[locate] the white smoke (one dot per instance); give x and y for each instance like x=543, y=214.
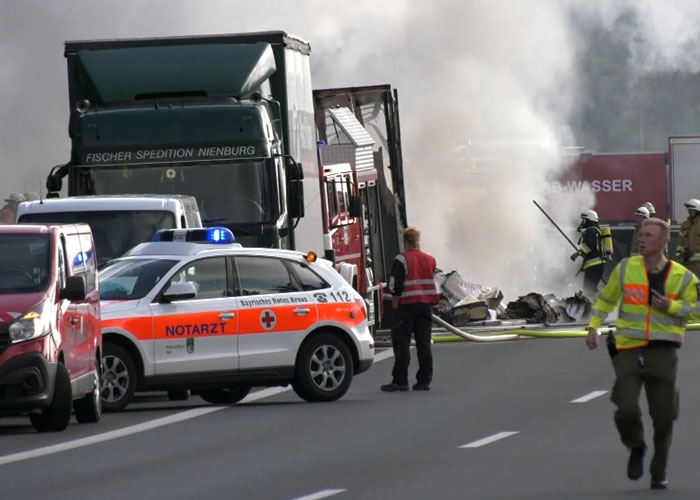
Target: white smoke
x=486, y=88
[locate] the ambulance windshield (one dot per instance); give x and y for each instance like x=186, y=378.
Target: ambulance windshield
x=24, y=263
x=131, y=279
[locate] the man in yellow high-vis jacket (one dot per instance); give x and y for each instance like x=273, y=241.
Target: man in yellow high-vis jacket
x=655, y=296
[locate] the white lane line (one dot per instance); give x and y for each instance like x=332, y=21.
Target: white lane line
x=389, y=353
x=146, y=426
x=489, y=439
x=589, y=396
x=108, y=436
x=320, y=494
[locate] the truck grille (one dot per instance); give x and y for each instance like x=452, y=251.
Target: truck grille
x=4, y=337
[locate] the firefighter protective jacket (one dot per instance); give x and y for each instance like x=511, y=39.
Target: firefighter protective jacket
x=689, y=240
x=591, y=248
x=638, y=322
x=412, y=278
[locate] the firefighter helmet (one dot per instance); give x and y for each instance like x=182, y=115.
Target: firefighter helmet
x=649, y=206
x=591, y=215
x=643, y=211
x=693, y=204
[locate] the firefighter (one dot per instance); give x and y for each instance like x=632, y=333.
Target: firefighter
x=413, y=295
x=655, y=296
x=650, y=207
x=688, y=246
x=641, y=214
x=9, y=211
x=591, y=249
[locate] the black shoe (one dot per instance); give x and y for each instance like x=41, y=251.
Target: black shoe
x=659, y=483
x=421, y=387
x=635, y=464
x=394, y=387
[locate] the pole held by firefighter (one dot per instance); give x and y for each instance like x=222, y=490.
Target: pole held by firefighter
x=555, y=224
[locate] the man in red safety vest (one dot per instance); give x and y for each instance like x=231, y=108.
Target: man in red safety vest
x=414, y=293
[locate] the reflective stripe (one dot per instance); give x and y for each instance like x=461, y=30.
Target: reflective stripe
x=593, y=262
x=686, y=279
x=418, y=282
x=419, y=292
x=623, y=268
x=600, y=314
x=606, y=299
x=402, y=260
x=627, y=316
x=585, y=249
x=667, y=320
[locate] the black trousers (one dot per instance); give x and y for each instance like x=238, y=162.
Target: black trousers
x=416, y=320
x=591, y=278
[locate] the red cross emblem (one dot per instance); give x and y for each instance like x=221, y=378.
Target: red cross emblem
x=268, y=320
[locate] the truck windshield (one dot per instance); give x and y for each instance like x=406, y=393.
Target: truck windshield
x=114, y=232
x=24, y=263
x=131, y=279
x=236, y=192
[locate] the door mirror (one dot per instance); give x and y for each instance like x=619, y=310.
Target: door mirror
x=74, y=289
x=355, y=208
x=180, y=290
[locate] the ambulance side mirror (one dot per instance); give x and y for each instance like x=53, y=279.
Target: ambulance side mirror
x=180, y=290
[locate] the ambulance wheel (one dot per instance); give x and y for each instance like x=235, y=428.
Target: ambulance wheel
x=118, y=378
x=88, y=409
x=56, y=417
x=226, y=396
x=324, y=369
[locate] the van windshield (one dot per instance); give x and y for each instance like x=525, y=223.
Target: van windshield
x=24, y=263
x=114, y=232
x=132, y=278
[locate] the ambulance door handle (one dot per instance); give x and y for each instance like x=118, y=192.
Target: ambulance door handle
x=302, y=311
x=226, y=315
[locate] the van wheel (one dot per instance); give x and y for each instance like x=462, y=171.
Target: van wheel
x=324, y=369
x=118, y=378
x=56, y=417
x=226, y=396
x=88, y=409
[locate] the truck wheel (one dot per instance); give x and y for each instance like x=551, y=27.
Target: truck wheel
x=88, y=409
x=226, y=396
x=56, y=417
x=324, y=369
x=118, y=378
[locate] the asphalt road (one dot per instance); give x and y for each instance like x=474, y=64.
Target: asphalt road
x=499, y=423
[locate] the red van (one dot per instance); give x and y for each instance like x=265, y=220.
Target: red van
x=50, y=330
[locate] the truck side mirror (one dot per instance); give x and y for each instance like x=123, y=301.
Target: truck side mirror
x=54, y=181
x=295, y=203
x=74, y=290
x=355, y=208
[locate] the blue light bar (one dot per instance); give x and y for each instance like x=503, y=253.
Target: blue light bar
x=218, y=235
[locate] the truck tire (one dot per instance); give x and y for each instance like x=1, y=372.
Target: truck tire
x=55, y=418
x=324, y=369
x=227, y=396
x=118, y=378
x=88, y=409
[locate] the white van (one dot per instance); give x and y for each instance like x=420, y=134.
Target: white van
x=118, y=222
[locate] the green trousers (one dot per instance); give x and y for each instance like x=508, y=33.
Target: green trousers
x=654, y=368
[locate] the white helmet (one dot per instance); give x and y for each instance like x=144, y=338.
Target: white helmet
x=693, y=204
x=590, y=215
x=643, y=211
x=650, y=207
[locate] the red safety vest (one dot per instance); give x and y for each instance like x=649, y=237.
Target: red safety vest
x=418, y=285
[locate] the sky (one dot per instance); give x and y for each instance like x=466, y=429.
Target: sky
x=487, y=92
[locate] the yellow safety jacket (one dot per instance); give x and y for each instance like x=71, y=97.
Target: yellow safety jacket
x=591, y=248
x=638, y=322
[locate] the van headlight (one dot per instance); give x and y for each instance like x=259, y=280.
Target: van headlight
x=30, y=326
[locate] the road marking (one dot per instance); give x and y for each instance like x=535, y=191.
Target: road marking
x=489, y=439
x=588, y=397
x=320, y=494
x=383, y=355
x=147, y=426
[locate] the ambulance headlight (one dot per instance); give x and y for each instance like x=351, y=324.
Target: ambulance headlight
x=30, y=326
